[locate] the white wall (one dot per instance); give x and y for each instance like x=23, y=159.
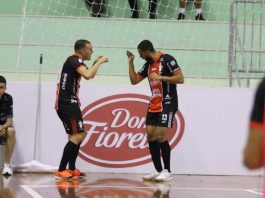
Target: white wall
x=216, y=121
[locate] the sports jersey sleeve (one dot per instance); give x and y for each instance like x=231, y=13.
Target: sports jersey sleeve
x=144, y=71
x=172, y=64
x=9, y=112
x=257, y=114
x=75, y=62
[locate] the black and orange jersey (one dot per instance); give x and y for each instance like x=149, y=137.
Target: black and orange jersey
x=6, y=108
x=69, y=81
x=162, y=92
x=258, y=111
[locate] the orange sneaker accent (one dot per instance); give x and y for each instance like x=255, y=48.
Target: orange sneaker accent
x=77, y=173
x=63, y=174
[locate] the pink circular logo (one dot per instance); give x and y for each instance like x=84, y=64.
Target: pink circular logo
x=115, y=131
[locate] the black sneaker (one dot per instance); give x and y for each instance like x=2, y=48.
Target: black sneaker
x=181, y=16
x=135, y=15
x=199, y=17
x=152, y=15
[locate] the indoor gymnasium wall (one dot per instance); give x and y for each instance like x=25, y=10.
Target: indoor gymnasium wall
x=201, y=49
x=195, y=45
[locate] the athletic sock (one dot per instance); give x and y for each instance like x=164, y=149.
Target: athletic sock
x=165, y=150
x=155, y=153
x=182, y=10
x=198, y=11
x=73, y=159
x=68, y=153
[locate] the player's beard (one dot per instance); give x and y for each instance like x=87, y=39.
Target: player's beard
x=148, y=59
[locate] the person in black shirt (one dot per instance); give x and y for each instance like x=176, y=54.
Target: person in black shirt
x=67, y=103
x=254, y=155
x=7, y=131
x=163, y=74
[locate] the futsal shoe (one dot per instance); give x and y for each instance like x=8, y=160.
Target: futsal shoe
x=181, y=16
x=199, y=17
x=151, y=176
x=77, y=174
x=63, y=174
x=163, y=176
x=7, y=170
x=152, y=15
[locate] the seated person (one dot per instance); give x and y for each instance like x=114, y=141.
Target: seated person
x=7, y=132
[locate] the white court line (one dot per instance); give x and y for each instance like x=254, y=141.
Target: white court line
x=153, y=187
x=32, y=192
x=254, y=192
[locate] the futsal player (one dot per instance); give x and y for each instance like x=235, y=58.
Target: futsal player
x=254, y=150
x=7, y=131
x=163, y=74
x=68, y=104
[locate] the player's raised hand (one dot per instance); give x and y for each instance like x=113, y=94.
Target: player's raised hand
x=155, y=76
x=130, y=56
x=102, y=59
x=98, y=58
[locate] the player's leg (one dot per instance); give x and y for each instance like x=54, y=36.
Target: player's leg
x=162, y=138
x=9, y=140
x=154, y=149
x=198, y=10
x=134, y=8
x=152, y=9
x=182, y=7
x=76, y=138
x=10, y=144
x=65, y=113
x=165, y=123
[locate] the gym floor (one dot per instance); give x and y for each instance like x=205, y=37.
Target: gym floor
x=107, y=185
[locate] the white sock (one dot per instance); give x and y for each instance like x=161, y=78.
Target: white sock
x=182, y=10
x=198, y=11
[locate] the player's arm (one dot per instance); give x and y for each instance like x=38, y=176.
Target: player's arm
x=91, y=72
x=135, y=78
x=253, y=153
x=8, y=123
x=177, y=77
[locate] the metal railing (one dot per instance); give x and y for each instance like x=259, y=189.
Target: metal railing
x=246, y=53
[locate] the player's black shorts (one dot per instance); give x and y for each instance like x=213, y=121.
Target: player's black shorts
x=164, y=118
x=71, y=116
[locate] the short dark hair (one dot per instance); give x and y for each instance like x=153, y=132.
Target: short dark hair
x=146, y=45
x=2, y=79
x=79, y=44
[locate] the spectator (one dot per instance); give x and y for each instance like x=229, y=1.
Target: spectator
x=97, y=7
x=151, y=10
x=7, y=132
x=198, y=10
